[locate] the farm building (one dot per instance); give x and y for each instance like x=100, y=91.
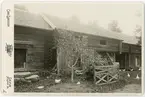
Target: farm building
x=33, y=37
x=35, y=42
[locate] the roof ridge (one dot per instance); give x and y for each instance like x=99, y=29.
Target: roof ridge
x=26, y=11
x=52, y=22
x=98, y=27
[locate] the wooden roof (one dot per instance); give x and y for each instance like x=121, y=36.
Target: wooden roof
x=25, y=18
x=98, y=31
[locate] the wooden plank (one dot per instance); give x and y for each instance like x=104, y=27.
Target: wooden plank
x=120, y=47
x=129, y=59
x=114, y=57
x=58, y=60
x=106, y=83
x=110, y=58
x=125, y=47
x=23, y=42
x=26, y=38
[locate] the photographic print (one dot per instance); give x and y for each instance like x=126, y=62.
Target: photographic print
x=78, y=47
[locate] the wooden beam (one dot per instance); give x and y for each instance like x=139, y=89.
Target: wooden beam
x=125, y=61
x=110, y=58
x=114, y=57
x=120, y=47
x=23, y=42
x=129, y=59
x=58, y=62
x=48, y=21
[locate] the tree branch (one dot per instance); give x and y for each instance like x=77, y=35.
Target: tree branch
x=75, y=62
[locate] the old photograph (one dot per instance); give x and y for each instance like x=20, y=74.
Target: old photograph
x=78, y=47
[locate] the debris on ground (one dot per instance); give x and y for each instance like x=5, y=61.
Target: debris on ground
x=128, y=84
x=40, y=87
x=21, y=74
x=25, y=77
x=33, y=78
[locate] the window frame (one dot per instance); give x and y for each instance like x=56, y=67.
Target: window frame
x=103, y=44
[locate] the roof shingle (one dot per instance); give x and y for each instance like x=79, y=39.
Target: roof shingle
x=25, y=18
x=98, y=31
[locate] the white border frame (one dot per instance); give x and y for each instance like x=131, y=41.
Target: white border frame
x=7, y=62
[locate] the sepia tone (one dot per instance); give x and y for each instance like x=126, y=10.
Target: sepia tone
x=53, y=54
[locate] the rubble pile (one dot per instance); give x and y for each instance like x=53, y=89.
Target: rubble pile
x=26, y=77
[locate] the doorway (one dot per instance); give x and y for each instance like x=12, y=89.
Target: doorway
x=51, y=58
x=123, y=60
x=19, y=58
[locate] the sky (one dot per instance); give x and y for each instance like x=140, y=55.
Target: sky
x=127, y=14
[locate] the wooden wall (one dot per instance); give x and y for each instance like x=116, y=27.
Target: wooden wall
x=133, y=62
x=111, y=46
x=35, y=45
x=125, y=47
x=63, y=65
x=135, y=49
x=38, y=44
x=93, y=42
x=131, y=48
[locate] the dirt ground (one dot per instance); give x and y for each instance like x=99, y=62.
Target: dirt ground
x=50, y=86
x=133, y=86
x=71, y=88
x=130, y=88
x=66, y=86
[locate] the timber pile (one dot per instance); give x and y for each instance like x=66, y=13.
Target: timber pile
x=29, y=76
x=106, y=71
x=25, y=77
x=103, y=59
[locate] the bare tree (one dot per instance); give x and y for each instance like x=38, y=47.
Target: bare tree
x=138, y=31
x=113, y=26
x=75, y=46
